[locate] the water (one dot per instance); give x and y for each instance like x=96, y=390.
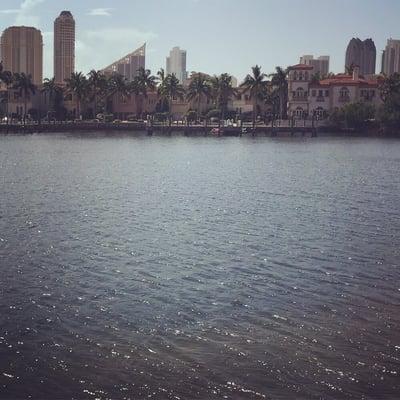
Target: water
x=199, y=268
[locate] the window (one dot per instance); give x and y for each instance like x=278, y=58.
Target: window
x=319, y=112
x=320, y=93
x=299, y=112
x=326, y=93
x=344, y=93
x=300, y=93
x=313, y=93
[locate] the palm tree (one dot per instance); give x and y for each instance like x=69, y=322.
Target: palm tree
x=279, y=80
x=161, y=90
x=198, y=89
x=350, y=69
x=53, y=90
x=116, y=84
x=144, y=82
x=171, y=89
x=222, y=91
x=7, y=78
x=23, y=83
x=78, y=86
x=255, y=85
x=98, y=85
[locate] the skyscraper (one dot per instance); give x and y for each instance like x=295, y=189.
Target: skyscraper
x=64, y=46
x=176, y=64
x=391, y=57
x=129, y=65
x=22, y=51
x=362, y=54
x=320, y=64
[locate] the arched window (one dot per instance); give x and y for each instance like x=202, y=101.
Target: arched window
x=295, y=75
x=319, y=112
x=344, y=93
x=299, y=93
x=299, y=112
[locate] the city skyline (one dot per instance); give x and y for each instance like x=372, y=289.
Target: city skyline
x=104, y=32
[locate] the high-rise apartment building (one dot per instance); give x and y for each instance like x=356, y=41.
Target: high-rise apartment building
x=129, y=65
x=391, y=57
x=362, y=54
x=22, y=51
x=320, y=64
x=176, y=64
x=64, y=47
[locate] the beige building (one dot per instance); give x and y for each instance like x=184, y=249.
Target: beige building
x=320, y=64
x=391, y=57
x=319, y=98
x=299, y=78
x=22, y=51
x=64, y=47
x=176, y=64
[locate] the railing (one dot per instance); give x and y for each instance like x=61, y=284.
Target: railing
x=299, y=98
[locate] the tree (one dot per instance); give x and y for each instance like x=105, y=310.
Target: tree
x=144, y=82
x=389, y=113
x=116, y=85
x=98, y=86
x=222, y=91
x=171, y=89
x=198, y=89
x=353, y=115
x=163, y=103
x=25, y=87
x=6, y=77
x=255, y=85
x=78, y=86
x=54, y=92
x=350, y=69
x=279, y=81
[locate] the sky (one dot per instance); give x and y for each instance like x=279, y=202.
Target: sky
x=219, y=35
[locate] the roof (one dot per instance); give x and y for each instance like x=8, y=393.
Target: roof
x=345, y=80
x=301, y=66
x=140, y=52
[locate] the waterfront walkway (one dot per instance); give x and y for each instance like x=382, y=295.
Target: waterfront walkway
x=284, y=127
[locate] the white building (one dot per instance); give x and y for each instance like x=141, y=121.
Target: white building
x=391, y=57
x=308, y=97
x=176, y=64
x=320, y=64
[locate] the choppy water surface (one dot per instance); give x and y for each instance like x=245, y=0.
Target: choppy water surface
x=199, y=268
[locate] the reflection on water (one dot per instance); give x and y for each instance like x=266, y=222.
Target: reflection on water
x=196, y=268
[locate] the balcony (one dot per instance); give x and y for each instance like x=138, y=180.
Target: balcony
x=344, y=99
x=299, y=97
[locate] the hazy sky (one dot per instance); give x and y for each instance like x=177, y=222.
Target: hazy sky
x=219, y=35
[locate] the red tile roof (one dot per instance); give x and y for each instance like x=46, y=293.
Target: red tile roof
x=301, y=66
x=345, y=80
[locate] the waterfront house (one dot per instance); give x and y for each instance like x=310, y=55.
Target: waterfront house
x=311, y=97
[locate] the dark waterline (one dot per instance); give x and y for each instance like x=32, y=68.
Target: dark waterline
x=199, y=268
